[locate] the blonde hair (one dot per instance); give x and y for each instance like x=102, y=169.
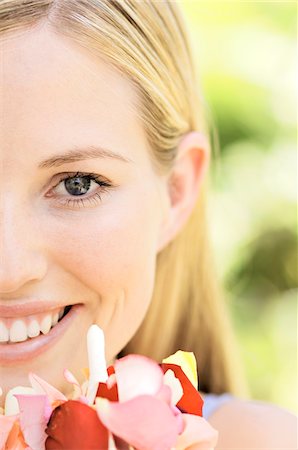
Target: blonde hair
x=147, y=42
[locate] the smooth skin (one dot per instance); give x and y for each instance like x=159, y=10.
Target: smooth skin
x=55, y=96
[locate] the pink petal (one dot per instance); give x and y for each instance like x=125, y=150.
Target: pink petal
x=111, y=381
x=164, y=394
x=137, y=375
x=72, y=380
x=42, y=387
x=144, y=422
x=70, y=377
x=33, y=419
x=198, y=434
x=78, y=391
x=6, y=423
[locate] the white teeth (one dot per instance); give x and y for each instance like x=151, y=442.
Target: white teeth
x=46, y=324
x=18, y=331
x=55, y=319
x=33, y=328
x=4, y=333
x=21, y=329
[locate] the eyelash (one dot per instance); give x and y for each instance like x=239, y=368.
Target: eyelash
x=93, y=199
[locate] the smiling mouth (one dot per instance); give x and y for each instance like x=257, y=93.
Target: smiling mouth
x=28, y=328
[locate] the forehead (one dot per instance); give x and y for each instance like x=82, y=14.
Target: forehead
x=51, y=86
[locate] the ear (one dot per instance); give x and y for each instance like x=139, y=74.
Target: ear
x=183, y=184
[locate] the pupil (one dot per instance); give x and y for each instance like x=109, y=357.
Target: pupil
x=75, y=186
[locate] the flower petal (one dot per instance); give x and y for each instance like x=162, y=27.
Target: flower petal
x=144, y=422
x=15, y=439
x=170, y=380
x=187, y=362
x=191, y=402
x=33, y=418
x=198, y=434
x=11, y=404
x=72, y=380
x=6, y=424
x=97, y=362
x=137, y=375
x=42, y=387
x=110, y=393
x=165, y=394
x=86, y=432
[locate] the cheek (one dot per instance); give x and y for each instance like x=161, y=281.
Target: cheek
x=111, y=252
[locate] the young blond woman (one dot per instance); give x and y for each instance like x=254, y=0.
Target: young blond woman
x=104, y=182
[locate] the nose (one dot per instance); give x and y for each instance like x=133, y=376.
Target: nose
x=21, y=258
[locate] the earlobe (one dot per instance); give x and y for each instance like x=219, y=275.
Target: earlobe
x=184, y=182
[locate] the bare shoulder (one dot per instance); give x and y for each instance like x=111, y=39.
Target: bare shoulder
x=253, y=424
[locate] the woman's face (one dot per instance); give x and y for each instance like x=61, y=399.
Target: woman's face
x=60, y=244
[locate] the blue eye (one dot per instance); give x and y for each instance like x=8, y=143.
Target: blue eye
x=78, y=185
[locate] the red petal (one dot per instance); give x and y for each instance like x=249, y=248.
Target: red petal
x=191, y=402
x=74, y=425
x=110, y=370
x=105, y=392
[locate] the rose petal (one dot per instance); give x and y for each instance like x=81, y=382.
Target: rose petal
x=97, y=362
x=6, y=424
x=110, y=370
x=170, y=380
x=72, y=380
x=11, y=404
x=15, y=439
x=198, y=434
x=96, y=354
x=110, y=393
x=187, y=362
x=78, y=391
x=111, y=380
x=33, y=418
x=42, y=387
x=165, y=394
x=119, y=444
x=137, y=375
x=144, y=422
x=191, y=402
x=86, y=432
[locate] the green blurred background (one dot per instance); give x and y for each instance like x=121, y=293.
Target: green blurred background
x=246, y=58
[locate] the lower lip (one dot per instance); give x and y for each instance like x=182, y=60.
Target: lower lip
x=20, y=352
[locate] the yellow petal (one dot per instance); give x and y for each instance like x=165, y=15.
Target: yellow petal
x=187, y=362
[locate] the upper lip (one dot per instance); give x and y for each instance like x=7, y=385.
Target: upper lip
x=27, y=307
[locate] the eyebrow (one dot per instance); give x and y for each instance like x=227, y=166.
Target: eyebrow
x=81, y=154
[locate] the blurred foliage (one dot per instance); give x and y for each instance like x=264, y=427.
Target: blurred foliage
x=246, y=59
